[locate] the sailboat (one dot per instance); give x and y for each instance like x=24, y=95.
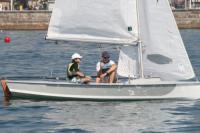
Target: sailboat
x=152, y=56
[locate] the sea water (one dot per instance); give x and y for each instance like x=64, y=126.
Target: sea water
x=29, y=54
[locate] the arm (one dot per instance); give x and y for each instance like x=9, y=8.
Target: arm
x=112, y=68
x=80, y=74
x=73, y=70
x=99, y=69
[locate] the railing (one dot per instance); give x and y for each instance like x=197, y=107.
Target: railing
x=48, y=5
x=185, y=4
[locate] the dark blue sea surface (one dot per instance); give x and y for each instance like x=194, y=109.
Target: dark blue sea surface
x=29, y=54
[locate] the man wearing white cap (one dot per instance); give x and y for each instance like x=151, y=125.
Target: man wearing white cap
x=73, y=72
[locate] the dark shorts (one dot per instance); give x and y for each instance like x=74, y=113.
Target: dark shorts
x=105, y=70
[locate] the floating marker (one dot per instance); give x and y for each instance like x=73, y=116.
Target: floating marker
x=7, y=39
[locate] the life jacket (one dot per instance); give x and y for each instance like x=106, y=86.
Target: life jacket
x=71, y=71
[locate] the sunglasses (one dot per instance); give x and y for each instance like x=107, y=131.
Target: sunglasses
x=106, y=58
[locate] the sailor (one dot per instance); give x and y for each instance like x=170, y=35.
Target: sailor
x=106, y=69
x=73, y=72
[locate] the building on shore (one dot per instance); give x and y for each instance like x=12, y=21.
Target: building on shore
x=26, y=5
x=30, y=4
x=5, y=5
x=48, y=4
x=185, y=4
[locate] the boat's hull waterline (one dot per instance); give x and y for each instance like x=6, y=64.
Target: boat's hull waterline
x=70, y=91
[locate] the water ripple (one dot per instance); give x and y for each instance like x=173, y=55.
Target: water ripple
x=29, y=54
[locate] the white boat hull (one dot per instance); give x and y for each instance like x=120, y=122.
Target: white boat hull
x=135, y=91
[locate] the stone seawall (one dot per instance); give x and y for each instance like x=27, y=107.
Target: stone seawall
x=24, y=20
x=38, y=20
x=187, y=19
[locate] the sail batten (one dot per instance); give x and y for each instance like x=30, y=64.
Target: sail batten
x=112, y=21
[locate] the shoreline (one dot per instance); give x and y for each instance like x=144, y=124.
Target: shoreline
x=39, y=20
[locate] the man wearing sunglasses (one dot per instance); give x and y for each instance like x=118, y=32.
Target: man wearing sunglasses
x=73, y=72
x=106, y=69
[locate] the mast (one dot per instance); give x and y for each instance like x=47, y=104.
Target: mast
x=140, y=47
x=141, y=59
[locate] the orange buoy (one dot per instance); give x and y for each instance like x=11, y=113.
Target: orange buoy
x=6, y=90
x=7, y=39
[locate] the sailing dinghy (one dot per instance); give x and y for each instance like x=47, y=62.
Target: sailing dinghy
x=152, y=56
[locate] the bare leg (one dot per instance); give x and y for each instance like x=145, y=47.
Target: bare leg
x=112, y=77
x=87, y=79
x=98, y=80
x=102, y=80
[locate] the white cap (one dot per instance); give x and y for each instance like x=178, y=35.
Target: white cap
x=76, y=55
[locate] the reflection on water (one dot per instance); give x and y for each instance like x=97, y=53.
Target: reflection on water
x=143, y=116
x=29, y=54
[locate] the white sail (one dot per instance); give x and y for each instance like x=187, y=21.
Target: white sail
x=128, y=62
x=164, y=52
x=109, y=21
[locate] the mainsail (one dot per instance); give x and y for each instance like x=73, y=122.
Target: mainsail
x=106, y=21
x=164, y=52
